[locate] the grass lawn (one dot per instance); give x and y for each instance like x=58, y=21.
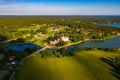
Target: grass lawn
x=84, y=65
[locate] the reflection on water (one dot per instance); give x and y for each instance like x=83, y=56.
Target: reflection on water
x=112, y=43
x=22, y=47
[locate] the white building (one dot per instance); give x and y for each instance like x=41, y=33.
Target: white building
x=64, y=38
x=55, y=41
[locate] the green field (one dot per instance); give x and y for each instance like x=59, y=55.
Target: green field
x=84, y=65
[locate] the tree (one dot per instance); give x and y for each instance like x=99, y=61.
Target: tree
x=61, y=43
x=1, y=50
x=57, y=54
x=2, y=38
x=46, y=53
x=19, y=40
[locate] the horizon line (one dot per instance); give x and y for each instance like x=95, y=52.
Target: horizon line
x=66, y=15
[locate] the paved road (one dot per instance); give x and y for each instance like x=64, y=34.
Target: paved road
x=33, y=54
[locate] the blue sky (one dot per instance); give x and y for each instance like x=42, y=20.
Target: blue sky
x=59, y=7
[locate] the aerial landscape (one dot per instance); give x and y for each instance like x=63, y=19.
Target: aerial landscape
x=59, y=40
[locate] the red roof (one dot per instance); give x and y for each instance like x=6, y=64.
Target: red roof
x=11, y=57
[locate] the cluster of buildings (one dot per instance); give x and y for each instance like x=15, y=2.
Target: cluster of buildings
x=62, y=38
x=12, y=60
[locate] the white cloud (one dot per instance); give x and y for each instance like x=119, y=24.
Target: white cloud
x=45, y=9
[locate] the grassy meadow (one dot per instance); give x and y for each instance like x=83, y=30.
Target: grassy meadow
x=85, y=65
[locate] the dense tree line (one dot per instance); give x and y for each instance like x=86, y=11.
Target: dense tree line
x=21, y=21
x=56, y=53
x=85, y=48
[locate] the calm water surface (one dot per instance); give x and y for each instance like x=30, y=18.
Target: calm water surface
x=111, y=43
x=114, y=25
x=22, y=47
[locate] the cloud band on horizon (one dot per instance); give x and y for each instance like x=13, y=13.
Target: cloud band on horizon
x=13, y=7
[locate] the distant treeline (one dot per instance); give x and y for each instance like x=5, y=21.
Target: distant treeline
x=21, y=21
x=80, y=27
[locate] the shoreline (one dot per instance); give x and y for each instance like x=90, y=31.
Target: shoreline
x=64, y=46
x=71, y=44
